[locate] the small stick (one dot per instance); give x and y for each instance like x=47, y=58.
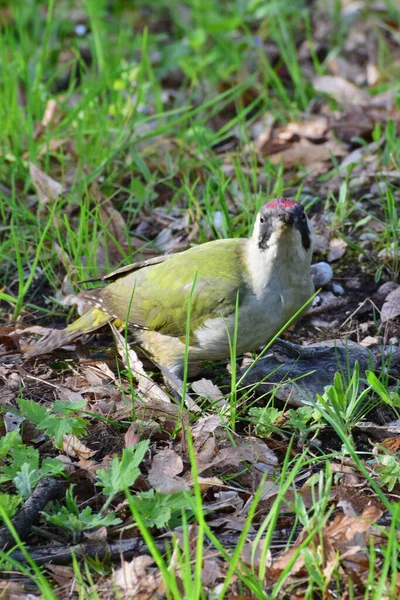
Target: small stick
x=46, y=490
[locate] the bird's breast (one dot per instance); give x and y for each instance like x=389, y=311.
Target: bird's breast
x=259, y=319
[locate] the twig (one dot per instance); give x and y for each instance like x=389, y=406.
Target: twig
x=327, y=307
x=46, y=490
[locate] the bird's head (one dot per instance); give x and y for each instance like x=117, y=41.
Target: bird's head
x=283, y=221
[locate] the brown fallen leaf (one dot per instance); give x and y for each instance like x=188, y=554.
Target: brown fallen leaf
x=47, y=188
x=115, y=241
x=207, y=389
x=137, y=580
x=213, y=569
x=343, y=528
x=358, y=499
x=392, y=444
x=146, y=386
x=74, y=447
x=96, y=535
x=63, y=575
x=338, y=535
x=132, y=436
x=253, y=552
x=49, y=112
x=305, y=153
x=391, y=306
x=165, y=467
x=337, y=248
x=369, y=341
x=340, y=89
x=250, y=451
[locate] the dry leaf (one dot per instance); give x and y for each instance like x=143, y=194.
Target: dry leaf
x=74, y=447
x=132, y=437
x=63, y=575
x=252, y=554
x=166, y=465
x=49, y=112
x=340, y=89
x=96, y=535
x=343, y=528
x=206, y=482
x=392, y=443
x=391, y=307
x=47, y=188
x=132, y=576
x=314, y=128
x=307, y=154
x=68, y=395
x=369, y=341
x=146, y=387
x=337, y=247
x=116, y=238
x=251, y=451
x=207, y=389
x=348, y=475
x=213, y=569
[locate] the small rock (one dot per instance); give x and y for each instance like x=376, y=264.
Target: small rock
x=327, y=297
x=384, y=290
x=320, y=323
x=394, y=341
x=379, y=188
x=368, y=236
x=337, y=289
x=321, y=274
x=316, y=301
x=392, y=352
x=312, y=374
x=369, y=341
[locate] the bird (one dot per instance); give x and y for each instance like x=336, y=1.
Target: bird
x=248, y=288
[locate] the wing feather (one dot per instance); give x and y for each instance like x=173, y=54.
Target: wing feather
x=157, y=296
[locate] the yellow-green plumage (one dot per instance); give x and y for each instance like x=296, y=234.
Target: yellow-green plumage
x=158, y=296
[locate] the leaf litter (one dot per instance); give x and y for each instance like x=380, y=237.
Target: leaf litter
x=322, y=149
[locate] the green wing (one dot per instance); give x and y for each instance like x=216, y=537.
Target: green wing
x=157, y=297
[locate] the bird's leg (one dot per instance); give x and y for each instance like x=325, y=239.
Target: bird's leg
x=302, y=352
x=175, y=384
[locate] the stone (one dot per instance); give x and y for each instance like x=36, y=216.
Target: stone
x=321, y=274
x=384, y=290
x=337, y=289
x=315, y=373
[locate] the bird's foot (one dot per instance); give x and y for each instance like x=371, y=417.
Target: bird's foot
x=302, y=352
x=175, y=384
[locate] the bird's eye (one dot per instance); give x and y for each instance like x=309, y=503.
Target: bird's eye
x=303, y=216
x=261, y=220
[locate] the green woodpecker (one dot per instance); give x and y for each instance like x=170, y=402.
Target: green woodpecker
x=267, y=274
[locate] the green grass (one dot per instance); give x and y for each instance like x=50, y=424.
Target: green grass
x=159, y=121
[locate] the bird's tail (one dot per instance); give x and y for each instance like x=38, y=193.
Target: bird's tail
x=90, y=321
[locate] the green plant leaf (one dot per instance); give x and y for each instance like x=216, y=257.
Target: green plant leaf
x=122, y=473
